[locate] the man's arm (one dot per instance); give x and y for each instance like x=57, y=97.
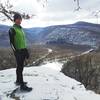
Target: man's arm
x=11, y=36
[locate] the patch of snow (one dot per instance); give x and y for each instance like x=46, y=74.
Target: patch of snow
x=87, y=51
x=49, y=50
x=47, y=84
x=54, y=65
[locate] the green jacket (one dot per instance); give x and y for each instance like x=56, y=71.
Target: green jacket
x=17, y=37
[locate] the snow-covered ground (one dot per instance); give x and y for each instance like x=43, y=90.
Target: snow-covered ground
x=48, y=83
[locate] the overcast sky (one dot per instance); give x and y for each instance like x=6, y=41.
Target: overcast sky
x=58, y=11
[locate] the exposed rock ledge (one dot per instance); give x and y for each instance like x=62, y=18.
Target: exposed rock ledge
x=85, y=68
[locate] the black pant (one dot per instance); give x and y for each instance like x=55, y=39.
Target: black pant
x=20, y=56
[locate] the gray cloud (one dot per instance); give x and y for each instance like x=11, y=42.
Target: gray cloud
x=59, y=11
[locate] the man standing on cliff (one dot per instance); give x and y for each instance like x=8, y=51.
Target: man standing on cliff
x=18, y=44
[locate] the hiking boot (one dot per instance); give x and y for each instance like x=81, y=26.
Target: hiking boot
x=20, y=83
x=25, y=88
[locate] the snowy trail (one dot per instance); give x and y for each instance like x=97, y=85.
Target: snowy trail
x=86, y=52
x=41, y=59
x=48, y=83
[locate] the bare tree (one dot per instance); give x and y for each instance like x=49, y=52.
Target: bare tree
x=43, y=2
x=96, y=14
x=78, y=5
x=6, y=10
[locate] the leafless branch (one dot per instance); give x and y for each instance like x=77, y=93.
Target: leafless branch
x=6, y=10
x=78, y=5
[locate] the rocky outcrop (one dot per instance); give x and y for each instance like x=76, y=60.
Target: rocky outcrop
x=86, y=69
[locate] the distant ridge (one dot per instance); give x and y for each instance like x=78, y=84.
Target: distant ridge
x=79, y=33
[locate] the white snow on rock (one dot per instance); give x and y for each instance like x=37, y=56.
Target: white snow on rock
x=47, y=82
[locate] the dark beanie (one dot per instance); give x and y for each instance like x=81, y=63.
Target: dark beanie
x=17, y=16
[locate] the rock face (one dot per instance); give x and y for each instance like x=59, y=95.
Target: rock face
x=86, y=69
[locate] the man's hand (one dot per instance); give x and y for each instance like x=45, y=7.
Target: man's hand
x=13, y=48
x=27, y=54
